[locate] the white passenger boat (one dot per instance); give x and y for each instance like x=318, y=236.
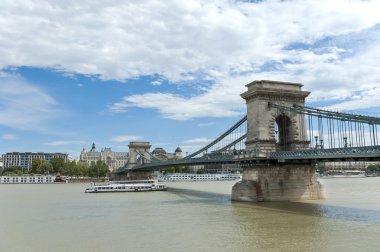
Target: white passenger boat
x=127, y=186
x=345, y=174
x=178, y=177
x=26, y=179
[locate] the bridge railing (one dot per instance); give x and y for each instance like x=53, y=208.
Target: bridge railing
x=366, y=152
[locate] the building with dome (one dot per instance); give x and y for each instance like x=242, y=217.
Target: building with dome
x=163, y=155
x=113, y=159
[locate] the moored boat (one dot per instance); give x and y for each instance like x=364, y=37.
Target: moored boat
x=178, y=177
x=27, y=179
x=127, y=186
x=345, y=174
x=59, y=179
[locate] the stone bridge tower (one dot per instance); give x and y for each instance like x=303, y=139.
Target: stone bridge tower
x=135, y=149
x=269, y=129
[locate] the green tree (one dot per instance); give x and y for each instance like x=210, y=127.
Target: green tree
x=182, y=169
x=98, y=169
x=37, y=166
x=14, y=170
x=373, y=167
x=92, y=171
x=57, y=164
x=169, y=170
x=102, y=169
x=69, y=169
x=46, y=167
x=82, y=169
x=201, y=171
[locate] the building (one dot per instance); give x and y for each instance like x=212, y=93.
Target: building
x=114, y=160
x=345, y=165
x=1, y=164
x=163, y=155
x=223, y=168
x=24, y=159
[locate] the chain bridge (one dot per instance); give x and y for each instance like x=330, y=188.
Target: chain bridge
x=277, y=144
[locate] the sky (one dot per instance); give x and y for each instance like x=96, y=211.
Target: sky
x=171, y=72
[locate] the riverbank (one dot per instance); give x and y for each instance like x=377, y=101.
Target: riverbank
x=87, y=180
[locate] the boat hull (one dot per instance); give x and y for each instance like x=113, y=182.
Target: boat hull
x=191, y=177
x=127, y=186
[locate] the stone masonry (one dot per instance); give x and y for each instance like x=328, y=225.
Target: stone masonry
x=275, y=182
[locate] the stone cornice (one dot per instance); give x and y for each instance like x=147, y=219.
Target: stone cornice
x=275, y=95
x=263, y=82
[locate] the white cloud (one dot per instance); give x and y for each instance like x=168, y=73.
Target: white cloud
x=8, y=137
x=198, y=140
x=366, y=99
x=67, y=142
x=228, y=42
x=178, y=107
x=24, y=106
x=205, y=124
x=156, y=83
x=121, y=139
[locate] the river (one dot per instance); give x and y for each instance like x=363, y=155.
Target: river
x=196, y=216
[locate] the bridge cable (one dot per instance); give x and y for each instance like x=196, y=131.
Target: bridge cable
x=310, y=132
x=221, y=137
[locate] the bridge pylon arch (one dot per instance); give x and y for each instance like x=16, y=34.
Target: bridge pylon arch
x=263, y=136
x=272, y=130
x=136, y=149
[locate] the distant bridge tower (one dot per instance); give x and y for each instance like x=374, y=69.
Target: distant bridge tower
x=138, y=151
x=138, y=154
x=269, y=129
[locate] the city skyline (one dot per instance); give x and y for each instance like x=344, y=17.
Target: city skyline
x=172, y=73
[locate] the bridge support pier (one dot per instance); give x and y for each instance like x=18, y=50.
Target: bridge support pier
x=278, y=182
x=131, y=175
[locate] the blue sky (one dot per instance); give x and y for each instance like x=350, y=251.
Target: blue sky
x=171, y=72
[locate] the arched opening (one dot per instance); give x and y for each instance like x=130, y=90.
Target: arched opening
x=282, y=127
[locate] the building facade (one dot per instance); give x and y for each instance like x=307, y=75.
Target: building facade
x=113, y=159
x=163, y=155
x=24, y=159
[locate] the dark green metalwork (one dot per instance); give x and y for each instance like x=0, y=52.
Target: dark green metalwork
x=240, y=122
x=328, y=114
x=349, y=129
x=369, y=152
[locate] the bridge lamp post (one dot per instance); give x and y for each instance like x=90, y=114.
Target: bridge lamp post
x=345, y=141
x=316, y=142
x=321, y=143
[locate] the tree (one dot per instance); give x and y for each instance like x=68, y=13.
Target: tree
x=98, y=169
x=46, y=167
x=169, y=170
x=102, y=168
x=373, y=167
x=82, y=169
x=182, y=169
x=69, y=169
x=57, y=164
x=37, y=166
x=14, y=170
x=201, y=171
